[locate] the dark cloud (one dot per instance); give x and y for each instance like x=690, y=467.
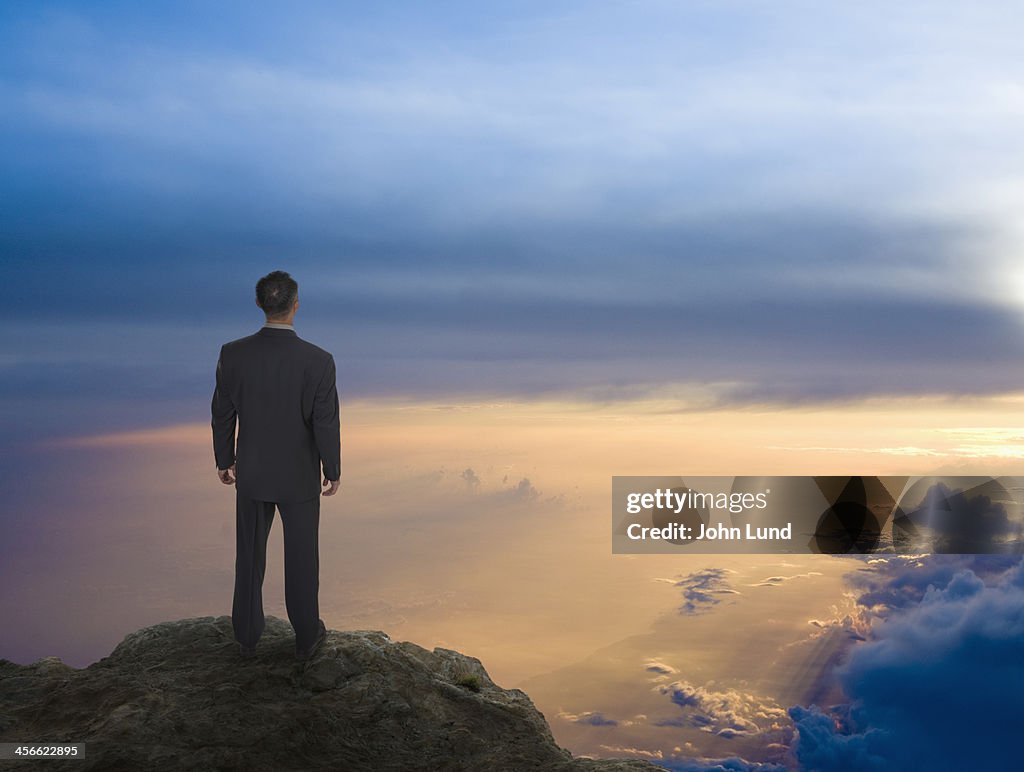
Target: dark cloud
x=725, y=713
x=595, y=719
x=476, y=342
x=939, y=684
x=820, y=746
x=603, y=313
x=901, y=582
x=701, y=588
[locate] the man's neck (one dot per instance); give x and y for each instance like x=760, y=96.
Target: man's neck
x=279, y=324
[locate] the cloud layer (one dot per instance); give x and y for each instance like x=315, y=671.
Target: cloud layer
x=939, y=683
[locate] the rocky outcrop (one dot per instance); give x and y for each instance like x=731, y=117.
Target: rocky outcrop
x=177, y=696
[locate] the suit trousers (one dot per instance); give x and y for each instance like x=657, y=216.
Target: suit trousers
x=301, y=523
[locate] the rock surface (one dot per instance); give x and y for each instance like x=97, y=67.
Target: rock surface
x=177, y=696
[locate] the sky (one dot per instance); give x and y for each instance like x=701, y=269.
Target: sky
x=547, y=243
x=529, y=199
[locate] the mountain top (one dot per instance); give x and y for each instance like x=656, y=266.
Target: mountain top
x=177, y=695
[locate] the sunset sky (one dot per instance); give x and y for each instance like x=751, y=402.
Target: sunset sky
x=547, y=243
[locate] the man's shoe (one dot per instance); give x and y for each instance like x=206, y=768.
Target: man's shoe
x=246, y=652
x=303, y=655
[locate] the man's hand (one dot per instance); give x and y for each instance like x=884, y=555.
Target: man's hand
x=227, y=476
x=334, y=487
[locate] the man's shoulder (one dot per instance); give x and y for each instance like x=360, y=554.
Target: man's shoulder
x=309, y=350
x=239, y=343
x=313, y=350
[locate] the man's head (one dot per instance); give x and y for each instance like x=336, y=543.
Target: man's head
x=277, y=294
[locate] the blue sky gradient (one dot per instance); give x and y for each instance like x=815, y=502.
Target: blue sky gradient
x=794, y=202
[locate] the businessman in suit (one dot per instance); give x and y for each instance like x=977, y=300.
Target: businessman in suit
x=280, y=392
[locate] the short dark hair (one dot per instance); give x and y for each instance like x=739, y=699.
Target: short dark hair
x=276, y=293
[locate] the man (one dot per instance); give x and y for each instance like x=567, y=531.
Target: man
x=280, y=391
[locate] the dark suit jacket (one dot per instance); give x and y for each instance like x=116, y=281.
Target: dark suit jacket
x=280, y=391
